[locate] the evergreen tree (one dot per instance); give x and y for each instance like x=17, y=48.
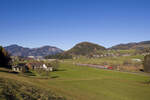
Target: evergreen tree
x=4, y=58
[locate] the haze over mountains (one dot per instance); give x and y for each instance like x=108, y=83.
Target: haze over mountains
x=16, y=50
x=82, y=48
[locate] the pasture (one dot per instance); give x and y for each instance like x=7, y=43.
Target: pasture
x=85, y=83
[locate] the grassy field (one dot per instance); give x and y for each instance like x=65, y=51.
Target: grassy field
x=109, y=60
x=84, y=83
x=125, y=63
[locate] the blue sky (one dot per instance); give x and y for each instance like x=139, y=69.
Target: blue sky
x=63, y=23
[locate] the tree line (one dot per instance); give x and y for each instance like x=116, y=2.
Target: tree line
x=59, y=56
x=5, y=58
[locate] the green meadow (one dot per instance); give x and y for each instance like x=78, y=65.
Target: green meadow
x=84, y=83
x=107, y=60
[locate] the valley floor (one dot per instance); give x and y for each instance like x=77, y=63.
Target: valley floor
x=85, y=83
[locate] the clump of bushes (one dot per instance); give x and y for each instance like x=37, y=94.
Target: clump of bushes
x=127, y=63
x=59, y=56
x=55, y=65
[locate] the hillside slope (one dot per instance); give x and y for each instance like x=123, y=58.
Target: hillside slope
x=15, y=90
x=139, y=45
x=14, y=86
x=85, y=48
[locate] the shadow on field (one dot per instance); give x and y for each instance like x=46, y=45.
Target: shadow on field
x=8, y=71
x=147, y=82
x=29, y=73
x=55, y=77
x=61, y=70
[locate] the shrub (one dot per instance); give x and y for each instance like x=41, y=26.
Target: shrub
x=55, y=65
x=127, y=63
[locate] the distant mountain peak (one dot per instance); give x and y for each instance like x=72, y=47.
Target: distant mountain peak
x=14, y=45
x=16, y=50
x=132, y=45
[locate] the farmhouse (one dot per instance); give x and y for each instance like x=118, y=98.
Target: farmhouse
x=20, y=68
x=24, y=67
x=39, y=65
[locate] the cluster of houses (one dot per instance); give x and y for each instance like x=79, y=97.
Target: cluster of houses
x=24, y=67
x=33, y=63
x=110, y=55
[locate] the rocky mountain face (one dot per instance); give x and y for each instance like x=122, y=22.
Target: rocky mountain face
x=16, y=50
x=139, y=45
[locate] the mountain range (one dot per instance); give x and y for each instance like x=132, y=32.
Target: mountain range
x=134, y=45
x=16, y=50
x=83, y=48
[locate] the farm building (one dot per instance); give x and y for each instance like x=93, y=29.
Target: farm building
x=20, y=68
x=39, y=65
